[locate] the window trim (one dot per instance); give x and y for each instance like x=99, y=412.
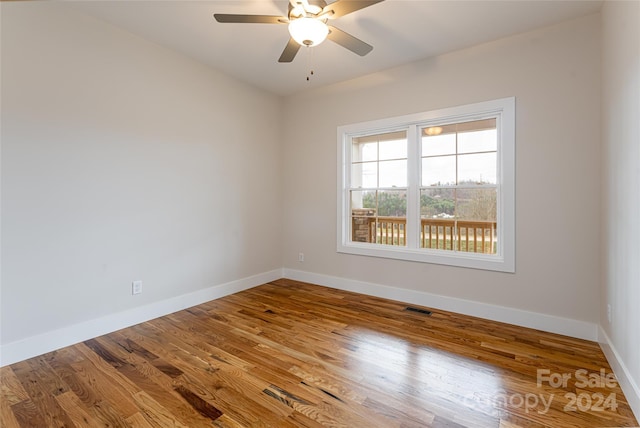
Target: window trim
x=504, y=110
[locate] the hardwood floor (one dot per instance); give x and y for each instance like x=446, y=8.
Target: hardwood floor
x=290, y=354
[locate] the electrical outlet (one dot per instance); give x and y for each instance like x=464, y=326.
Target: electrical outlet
x=136, y=287
x=609, y=317
x=300, y=257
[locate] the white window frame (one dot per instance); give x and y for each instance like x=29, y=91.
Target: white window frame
x=504, y=111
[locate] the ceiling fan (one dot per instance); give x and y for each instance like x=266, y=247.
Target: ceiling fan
x=307, y=20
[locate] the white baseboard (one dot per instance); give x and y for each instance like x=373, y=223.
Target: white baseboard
x=50, y=341
x=544, y=322
x=630, y=388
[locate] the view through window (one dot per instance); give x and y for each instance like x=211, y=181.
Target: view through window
x=438, y=189
x=458, y=192
x=379, y=188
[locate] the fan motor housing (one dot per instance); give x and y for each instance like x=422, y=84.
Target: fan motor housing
x=296, y=9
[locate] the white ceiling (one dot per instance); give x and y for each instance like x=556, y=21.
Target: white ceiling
x=401, y=31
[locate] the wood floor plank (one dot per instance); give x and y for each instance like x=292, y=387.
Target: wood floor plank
x=7, y=417
x=107, y=415
x=11, y=388
x=27, y=414
x=36, y=379
x=290, y=354
x=107, y=387
x=75, y=408
x=60, y=362
x=139, y=421
x=155, y=413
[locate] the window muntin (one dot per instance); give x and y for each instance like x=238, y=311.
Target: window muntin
x=448, y=199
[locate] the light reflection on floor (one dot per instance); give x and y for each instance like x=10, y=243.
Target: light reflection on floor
x=425, y=376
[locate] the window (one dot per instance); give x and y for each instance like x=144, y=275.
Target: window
x=433, y=187
x=379, y=188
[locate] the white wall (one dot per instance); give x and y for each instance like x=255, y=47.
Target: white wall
x=621, y=190
x=122, y=160
x=554, y=73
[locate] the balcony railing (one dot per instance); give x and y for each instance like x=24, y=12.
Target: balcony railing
x=435, y=233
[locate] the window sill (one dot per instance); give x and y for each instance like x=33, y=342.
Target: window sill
x=490, y=262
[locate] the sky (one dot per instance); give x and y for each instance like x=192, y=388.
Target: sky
x=384, y=163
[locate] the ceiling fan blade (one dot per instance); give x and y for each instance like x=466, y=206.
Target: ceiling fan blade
x=290, y=51
x=343, y=7
x=250, y=19
x=346, y=40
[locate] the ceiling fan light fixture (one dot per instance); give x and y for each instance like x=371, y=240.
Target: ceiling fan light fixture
x=308, y=31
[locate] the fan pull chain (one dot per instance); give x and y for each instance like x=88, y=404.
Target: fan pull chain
x=309, y=63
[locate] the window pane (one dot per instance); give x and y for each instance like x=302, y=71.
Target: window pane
x=390, y=228
x=437, y=203
x=364, y=175
x=439, y=171
x=477, y=136
x=477, y=168
x=363, y=199
x=392, y=203
x=475, y=204
x=443, y=144
x=476, y=211
x=362, y=152
x=363, y=214
x=394, y=149
x=481, y=141
x=393, y=173
x=437, y=223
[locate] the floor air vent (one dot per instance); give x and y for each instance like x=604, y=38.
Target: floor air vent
x=418, y=310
